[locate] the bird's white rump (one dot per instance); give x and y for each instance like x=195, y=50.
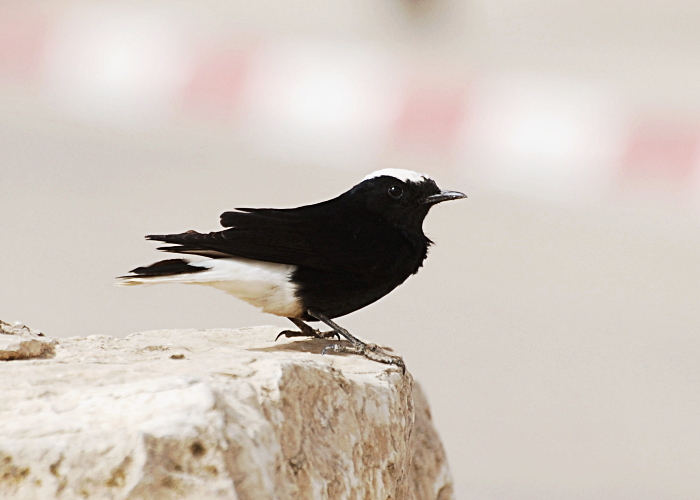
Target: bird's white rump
x=266, y=285
x=400, y=174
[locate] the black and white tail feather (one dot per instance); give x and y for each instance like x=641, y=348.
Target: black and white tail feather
x=170, y=267
x=266, y=285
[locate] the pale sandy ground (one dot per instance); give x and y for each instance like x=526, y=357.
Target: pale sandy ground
x=560, y=349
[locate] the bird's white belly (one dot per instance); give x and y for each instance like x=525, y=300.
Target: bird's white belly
x=263, y=284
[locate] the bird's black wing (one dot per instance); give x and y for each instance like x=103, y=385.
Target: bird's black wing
x=332, y=236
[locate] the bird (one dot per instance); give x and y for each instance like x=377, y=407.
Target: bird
x=315, y=262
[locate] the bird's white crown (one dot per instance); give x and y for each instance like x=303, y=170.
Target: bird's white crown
x=400, y=174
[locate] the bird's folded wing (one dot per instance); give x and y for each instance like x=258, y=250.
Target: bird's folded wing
x=305, y=236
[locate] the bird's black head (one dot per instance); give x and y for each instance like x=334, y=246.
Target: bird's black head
x=402, y=197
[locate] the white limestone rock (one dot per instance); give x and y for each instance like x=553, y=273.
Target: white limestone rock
x=177, y=414
x=18, y=341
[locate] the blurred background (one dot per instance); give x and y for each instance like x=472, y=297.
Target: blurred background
x=556, y=323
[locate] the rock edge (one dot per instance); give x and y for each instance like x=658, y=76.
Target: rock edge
x=214, y=414
x=18, y=341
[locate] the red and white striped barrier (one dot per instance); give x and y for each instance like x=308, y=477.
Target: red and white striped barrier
x=349, y=105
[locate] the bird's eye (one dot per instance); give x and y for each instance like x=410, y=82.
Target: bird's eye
x=395, y=192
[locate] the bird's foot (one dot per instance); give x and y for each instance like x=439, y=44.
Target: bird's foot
x=369, y=351
x=313, y=333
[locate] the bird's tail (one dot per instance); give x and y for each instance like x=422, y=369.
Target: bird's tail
x=160, y=272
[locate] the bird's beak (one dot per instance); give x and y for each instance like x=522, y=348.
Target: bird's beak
x=443, y=196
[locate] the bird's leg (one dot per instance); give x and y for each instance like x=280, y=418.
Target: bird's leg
x=369, y=351
x=306, y=331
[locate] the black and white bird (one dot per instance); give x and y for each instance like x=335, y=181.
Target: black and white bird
x=315, y=262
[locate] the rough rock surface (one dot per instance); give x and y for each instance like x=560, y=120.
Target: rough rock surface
x=214, y=414
x=18, y=341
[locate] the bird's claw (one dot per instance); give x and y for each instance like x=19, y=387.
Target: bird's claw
x=314, y=334
x=370, y=351
x=330, y=335
x=290, y=334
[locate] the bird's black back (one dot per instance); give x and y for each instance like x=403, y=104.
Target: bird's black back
x=349, y=251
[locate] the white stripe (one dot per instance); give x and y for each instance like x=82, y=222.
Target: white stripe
x=400, y=174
